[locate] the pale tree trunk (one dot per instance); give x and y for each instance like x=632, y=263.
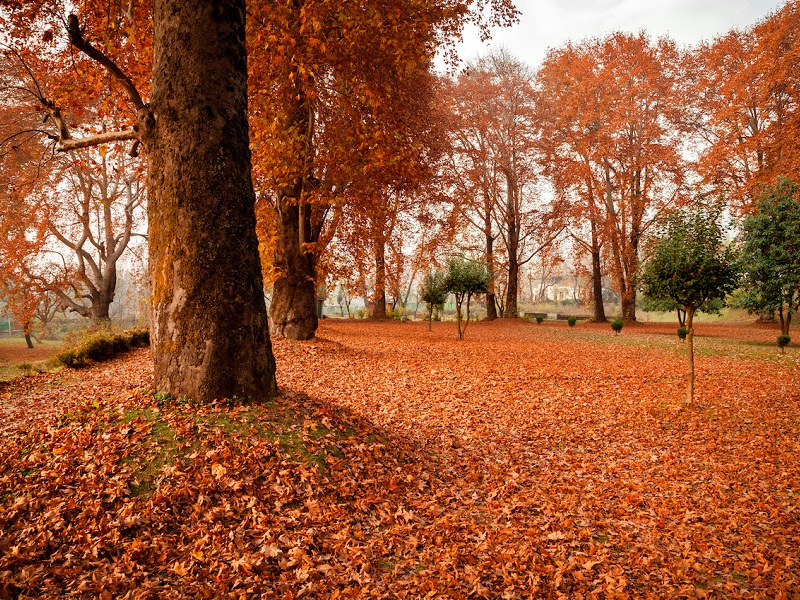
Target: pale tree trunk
x=209, y=325
x=690, y=355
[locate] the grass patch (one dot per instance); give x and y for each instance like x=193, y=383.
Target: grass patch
x=159, y=448
x=297, y=438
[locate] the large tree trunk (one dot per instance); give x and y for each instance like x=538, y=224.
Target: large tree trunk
x=293, y=309
x=209, y=325
x=379, y=312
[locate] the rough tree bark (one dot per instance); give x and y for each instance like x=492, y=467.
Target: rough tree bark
x=209, y=324
x=293, y=310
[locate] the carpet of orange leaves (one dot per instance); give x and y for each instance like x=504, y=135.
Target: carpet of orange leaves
x=525, y=461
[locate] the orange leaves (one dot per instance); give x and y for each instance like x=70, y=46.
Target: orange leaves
x=399, y=463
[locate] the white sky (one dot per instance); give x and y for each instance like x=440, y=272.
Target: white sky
x=551, y=23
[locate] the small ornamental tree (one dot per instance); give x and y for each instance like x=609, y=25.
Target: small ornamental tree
x=466, y=278
x=690, y=265
x=771, y=254
x=434, y=292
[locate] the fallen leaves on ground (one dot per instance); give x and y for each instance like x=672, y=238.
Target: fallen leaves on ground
x=525, y=461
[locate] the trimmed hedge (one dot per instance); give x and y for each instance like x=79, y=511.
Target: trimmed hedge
x=103, y=345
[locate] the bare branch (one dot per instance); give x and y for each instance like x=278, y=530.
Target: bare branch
x=77, y=40
x=96, y=140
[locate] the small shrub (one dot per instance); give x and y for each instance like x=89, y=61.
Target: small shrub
x=572, y=321
x=616, y=325
x=360, y=313
x=539, y=319
x=99, y=346
x=102, y=345
x=71, y=358
x=682, y=333
x=783, y=341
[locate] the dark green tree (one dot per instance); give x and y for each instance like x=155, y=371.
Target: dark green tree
x=434, y=292
x=711, y=307
x=771, y=254
x=690, y=265
x=466, y=278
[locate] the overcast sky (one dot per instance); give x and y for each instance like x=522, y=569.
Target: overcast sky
x=551, y=23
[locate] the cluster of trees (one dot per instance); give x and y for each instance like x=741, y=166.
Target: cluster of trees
x=338, y=111
x=312, y=142
x=691, y=265
x=464, y=278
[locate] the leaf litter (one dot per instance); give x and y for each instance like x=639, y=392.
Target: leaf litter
x=525, y=461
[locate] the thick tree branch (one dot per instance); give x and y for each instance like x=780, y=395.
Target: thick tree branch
x=95, y=140
x=77, y=40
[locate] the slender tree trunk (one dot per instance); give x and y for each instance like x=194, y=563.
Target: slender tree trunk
x=459, y=300
x=27, y=328
x=690, y=355
x=597, y=273
x=430, y=318
x=491, y=307
x=379, y=312
x=510, y=311
x=597, y=281
x=209, y=325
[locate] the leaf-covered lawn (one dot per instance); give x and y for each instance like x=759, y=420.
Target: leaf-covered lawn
x=523, y=461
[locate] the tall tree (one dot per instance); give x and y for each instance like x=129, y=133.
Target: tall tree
x=209, y=327
x=333, y=86
x=495, y=164
x=617, y=142
x=569, y=118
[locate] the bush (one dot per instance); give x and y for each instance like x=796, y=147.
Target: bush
x=572, y=321
x=102, y=345
x=539, y=319
x=783, y=341
x=682, y=333
x=616, y=325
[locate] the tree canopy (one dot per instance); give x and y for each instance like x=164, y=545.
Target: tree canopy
x=771, y=253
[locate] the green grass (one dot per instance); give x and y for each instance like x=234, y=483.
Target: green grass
x=14, y=363
x=162, y=447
